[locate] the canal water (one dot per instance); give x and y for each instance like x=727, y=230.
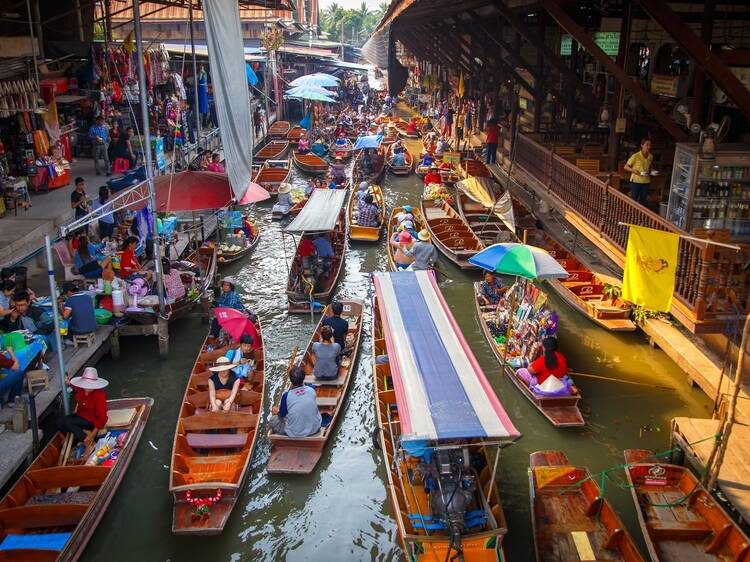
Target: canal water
x=340, y=512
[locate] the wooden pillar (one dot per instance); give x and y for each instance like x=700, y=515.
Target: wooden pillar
x=622, y=55
x=538, y=82
x=114, y=344
x=38, y=29
x=482, y=105
x=162, y=334
x=699, y=78
x=108, y=20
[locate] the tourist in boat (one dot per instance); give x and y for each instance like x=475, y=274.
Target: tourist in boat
x=368, y=214
x=223, y=379
x=547, y=375
x=326, y=352
x=89, y=262
x=491, y=290
x=423, y=252
x=244, y=366
x=402, y=241
x=427, y=160
x=91, y=407
x=324, y=251
x=130, y=268
x=433, y=176
x=174, y=288
x=339, y=326
x=338, y=173
x=284, y=198
x=229, y=298
x=215, y=165
x=398, y=147
x=297, y=414
x=404, y=215
x=411, y=128
x=305, y=251
x=303, y=145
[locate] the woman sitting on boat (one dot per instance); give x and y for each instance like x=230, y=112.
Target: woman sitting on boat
x=547, y=375
x=427, y=160
x=326, y=353
x=337, y=171
x=398, y=160
x=303, y=145
x=223, y=385
x=398, y=147
x=411, y=128
x=91, y=410
x=433, y=176
x=174, y=288
x=297, y=414
x=491, y=290
x=130, y=268
x=284, y=198
x=341, y=140
x=401, y=241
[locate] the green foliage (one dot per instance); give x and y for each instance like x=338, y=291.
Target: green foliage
x=641, y=313
x=612, y=292
x=356, y=24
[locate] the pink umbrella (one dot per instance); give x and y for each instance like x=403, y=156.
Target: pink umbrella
x=236, y=323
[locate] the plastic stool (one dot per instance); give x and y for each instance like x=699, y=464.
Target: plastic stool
x=121, y=166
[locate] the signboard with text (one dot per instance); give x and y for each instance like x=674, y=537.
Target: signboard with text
x=607, y=41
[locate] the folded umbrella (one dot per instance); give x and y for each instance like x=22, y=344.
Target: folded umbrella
x=236, y=323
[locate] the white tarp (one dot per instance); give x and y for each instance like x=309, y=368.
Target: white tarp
x=482, y=191
x=504, y=210
x=229, y=78
x=320, y=213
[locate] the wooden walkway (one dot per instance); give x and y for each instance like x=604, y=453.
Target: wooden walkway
x=734, y=478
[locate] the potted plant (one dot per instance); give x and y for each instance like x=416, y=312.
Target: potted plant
x=613, y=293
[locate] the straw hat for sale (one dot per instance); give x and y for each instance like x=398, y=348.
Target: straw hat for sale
x=551, y=384
x=423, y=235
x=222, y=364
x=285, y=188
x=89, y=380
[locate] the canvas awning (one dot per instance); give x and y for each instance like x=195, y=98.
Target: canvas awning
x=482, y=191
x=441, y=391
x=368, y=141
x=320, y=213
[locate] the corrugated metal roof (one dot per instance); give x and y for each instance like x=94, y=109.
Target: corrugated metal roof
x=179, y=13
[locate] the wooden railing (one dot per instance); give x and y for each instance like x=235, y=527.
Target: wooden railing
x=710, y=285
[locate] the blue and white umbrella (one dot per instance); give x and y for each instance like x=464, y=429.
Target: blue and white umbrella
x=318, y=79
x=314, y=93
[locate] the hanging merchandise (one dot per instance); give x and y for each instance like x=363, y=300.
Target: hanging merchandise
x=18, y=96
x=202, y=92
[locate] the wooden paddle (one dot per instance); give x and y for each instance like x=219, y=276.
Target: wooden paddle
x=611, y=379
x=289, y=366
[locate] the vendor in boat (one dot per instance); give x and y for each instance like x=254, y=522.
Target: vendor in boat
x=368, y=213
x=491, y=290
x=215, y=165
x=223, y=386
x=433, y=176
x=326, y=352
x=130, y=268
x=228, y=298
x=338, y=173
x=411, y=128
x=547, y=375
x=341, y=140
x=398, y=147
x=303, y=145
x=402, y=241
x=441, y=147
x=247, y=228
x=174, y=288
x=297, y=414
x=91, y=410
x=423, y=252
x=285, y=195
x=324, y=250
x=398, y=160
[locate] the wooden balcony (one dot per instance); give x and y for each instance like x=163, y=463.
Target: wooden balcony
x=711, y=284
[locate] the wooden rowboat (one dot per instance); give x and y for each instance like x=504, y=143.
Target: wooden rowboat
x=54, y=509
x=570, y=517
x=450, y=233
x=310, y=164
x=274, y=150
x=225, y=257
x=345, y=151
x=485, y=224
x=378, y=168
x=279, y=130
x=404, y=170
x=393, y=224
x=212, y=450
x=300, y=455
x=680, y=520
x=295, y=133
x=272, y=174
x=366, y=233
x=583, y=289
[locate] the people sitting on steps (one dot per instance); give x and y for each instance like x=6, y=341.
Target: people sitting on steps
x=297, y=414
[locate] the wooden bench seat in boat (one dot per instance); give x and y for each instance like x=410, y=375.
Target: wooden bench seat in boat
x=579, y=276
x=67, y=476
x=241, y=409
x=62, y=498
x=327, y=401
x=587, y=291
x=216, y=440
x=219, y=420
x=679, y=530
x=309, y=379
x=318, y=435
x=42, y=515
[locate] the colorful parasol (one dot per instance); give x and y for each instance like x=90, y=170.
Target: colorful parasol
x=521, y=260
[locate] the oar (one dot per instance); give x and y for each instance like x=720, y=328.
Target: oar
x=289, y=366
x=599, y=377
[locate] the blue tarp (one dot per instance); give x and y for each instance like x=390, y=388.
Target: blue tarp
x=252, y=78
x=306, y=123
x=370, y=141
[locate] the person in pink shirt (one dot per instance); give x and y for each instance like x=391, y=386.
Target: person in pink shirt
x=215, y=165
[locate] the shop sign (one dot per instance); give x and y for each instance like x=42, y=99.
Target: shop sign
x=607, y=41
x=452, y=158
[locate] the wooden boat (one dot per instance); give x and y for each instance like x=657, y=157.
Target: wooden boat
x=272, y=173
x=200, y=275
x=53, y=510
x=212, y=450
x=366, y=233
x=305, y=284
x=274, y=150
x=583, y=289
x=450, y=233
x=473, y=166
x=345, y=151
x=570, y=517
x=378, y=172
x=310, y=164
x=404, y=170
x=279, y=130
x=414, y=505
x=390, y=136
x=403, y=131
x=680, y=520
x=393, y=225
x=225, y=257
x=487, y=226
x=300, y=455
x=295, y=133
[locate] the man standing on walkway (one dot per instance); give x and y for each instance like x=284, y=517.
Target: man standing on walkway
x=492, y=135
x=100, y=141
x=78, y=198
x=639, y=166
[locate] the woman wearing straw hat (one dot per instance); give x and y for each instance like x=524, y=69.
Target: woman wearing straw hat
x=285, y=195
x=223, y=385
x=423, y=252
x=91, y=411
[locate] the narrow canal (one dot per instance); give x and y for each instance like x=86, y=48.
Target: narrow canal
x=340, y=512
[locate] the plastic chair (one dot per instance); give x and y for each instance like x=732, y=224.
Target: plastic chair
x=121, y=166
x=63, y=254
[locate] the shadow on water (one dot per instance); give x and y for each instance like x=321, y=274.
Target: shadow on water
x=341, y=512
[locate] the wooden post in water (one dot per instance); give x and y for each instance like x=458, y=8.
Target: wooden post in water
x=162, y=333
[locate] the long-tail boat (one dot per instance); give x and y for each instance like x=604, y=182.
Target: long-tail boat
x=450, y=233
x=274, y=150
x=378, y=167
x=300, y=455
x=295, y=133
x=366, y=233
x=312, y=281
x=584, y=290
x=279, y=130
x=344, y=151
x=212, y=450
x=439, y=422
x=418, y=223
x=472, y=166
x=571, y=518
x=310, y=164
x=404, y=170
x=680, y=520
x=272, y=173
x=485, y=224
x=53, y=510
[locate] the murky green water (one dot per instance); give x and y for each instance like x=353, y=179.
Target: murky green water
x=340, y=512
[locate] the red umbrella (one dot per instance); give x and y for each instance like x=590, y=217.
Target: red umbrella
x=198, y=191
x=236, y=323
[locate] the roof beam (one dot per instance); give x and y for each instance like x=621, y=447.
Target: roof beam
x=699, y=52
x=645, y=99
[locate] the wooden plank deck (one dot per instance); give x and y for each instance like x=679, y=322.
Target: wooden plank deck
x=734, y=478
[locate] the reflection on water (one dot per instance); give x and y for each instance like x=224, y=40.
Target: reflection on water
x=341, y=512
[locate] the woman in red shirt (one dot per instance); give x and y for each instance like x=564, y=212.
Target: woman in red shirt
x=129, y=265
x=551, y=363
x=91, y=413
x=492, y=136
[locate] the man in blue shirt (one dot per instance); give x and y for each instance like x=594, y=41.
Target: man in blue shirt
x=339, y=326
x=324, y=251
x=99, y=136
x=78, y=310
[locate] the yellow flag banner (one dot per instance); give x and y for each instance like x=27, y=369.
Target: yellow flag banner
x=650, y=268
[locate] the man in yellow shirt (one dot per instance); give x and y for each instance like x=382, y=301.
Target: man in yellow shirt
x=639, y=166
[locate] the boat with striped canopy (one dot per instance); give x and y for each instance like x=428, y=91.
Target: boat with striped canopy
x=440, y=422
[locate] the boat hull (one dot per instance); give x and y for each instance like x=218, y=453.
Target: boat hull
x=365, y=233
x=450, y=233
x=310, y=164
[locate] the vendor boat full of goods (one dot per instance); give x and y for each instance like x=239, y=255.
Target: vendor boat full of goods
x=300, y=455
x=432, y=447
